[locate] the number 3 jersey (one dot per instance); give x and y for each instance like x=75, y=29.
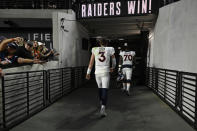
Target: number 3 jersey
x=102, y=59
x=127, y=57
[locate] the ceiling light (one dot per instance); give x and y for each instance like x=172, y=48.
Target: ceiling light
x=121, y=39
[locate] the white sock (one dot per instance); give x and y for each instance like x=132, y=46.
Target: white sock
x=128, y=86
x=124, y=86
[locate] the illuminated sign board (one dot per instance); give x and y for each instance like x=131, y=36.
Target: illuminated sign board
x=115, y=8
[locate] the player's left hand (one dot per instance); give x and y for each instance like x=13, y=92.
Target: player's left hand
x=111, y=70
x=88, y=76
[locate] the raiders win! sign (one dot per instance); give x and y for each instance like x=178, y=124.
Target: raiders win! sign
x=115, y=8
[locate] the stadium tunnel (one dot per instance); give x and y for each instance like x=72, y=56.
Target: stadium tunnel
x=73, y=38
x=132, y=30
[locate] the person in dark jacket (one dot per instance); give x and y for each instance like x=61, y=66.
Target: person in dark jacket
x=8, y=49
x=25, y=51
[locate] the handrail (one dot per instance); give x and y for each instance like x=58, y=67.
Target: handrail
x=35, y=97
x=179, y=91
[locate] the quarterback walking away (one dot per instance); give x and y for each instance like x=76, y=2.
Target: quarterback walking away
x=102, y=56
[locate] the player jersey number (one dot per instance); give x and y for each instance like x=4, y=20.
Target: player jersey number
x=127, y=57
x=102, y=57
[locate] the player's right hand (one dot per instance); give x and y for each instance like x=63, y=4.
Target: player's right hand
x=88, y=76
x=111, y=70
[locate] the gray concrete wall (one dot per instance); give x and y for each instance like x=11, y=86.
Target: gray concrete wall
x=69, y=43
x=173, y=42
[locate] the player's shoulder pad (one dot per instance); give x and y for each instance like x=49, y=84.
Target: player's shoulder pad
x=133, y=52
x=112, y=49
x=123, y=51
x=120, y=53
x=93, y=49
x=109, y=48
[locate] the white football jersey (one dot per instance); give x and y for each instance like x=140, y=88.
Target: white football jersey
x=102, y=58
x=127, y=57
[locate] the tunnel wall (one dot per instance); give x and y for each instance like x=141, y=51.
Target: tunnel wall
x=173, y=40
x=68, y=44
x=69, y=41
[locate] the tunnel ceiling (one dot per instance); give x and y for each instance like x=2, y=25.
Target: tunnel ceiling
x=118, y=27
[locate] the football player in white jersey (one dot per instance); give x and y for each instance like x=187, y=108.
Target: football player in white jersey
x=126, y=64
x=102, y=56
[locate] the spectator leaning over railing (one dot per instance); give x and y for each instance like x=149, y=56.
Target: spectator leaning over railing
x=42, y=48
x=7, y=51
x=36, y=52
x=45, y=52
x=25, y=51
x=8, y=48
x=41, y=52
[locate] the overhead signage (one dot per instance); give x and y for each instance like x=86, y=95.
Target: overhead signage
x=115, y=8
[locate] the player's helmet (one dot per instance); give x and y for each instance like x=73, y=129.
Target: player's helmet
x=125, y=44
x=102, y=41
x=120, y=77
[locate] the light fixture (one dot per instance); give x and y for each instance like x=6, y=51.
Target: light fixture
x=120, y=39
x=99, y=37
x=125, y=44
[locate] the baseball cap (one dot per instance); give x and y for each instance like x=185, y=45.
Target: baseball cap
x=2, y=38
x=13, y=45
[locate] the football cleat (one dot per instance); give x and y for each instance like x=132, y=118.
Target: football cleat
x=102, y=112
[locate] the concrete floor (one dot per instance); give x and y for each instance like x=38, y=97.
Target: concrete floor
x=142, y=111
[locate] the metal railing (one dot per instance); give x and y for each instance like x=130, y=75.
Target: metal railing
x=177, y=89
x=24, y=94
